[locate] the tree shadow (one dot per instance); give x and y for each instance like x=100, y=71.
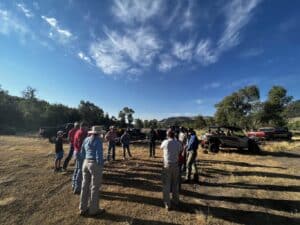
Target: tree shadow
x=281, y=154
x=232, y=215
x=275, y=204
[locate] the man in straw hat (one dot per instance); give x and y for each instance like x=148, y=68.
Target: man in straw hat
x=92, y=153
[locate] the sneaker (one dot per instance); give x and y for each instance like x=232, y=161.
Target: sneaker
x=168, y=208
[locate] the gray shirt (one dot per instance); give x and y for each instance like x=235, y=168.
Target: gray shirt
x=171, y=149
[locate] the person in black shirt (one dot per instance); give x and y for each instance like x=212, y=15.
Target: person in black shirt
x=59, y=152
x=152, y=138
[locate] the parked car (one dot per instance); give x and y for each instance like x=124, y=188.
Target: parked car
x=227, y=137
x=271, y=133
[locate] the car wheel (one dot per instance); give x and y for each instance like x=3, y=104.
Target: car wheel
x=253, y=147
x=213, y=147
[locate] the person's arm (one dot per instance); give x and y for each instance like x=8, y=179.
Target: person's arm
x=122, y=139
x=99, y=153
x=191, y=142
x=82, y=152
x=163, y=144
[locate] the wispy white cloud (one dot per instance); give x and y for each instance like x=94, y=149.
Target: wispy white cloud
x=252, y=52
x=84, y=57
x=166, y=63
x=205, y=53
x=199, y=101
x=117, y=52
x=10, y=24
x=57, y=33
x=131, y=11
x=237, y=14
x=184, y=51
x=211, y=85
x=187, y=17
x=28, y=13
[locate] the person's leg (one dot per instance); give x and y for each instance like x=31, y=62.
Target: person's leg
x=153, y=150
x=166, y=187
x=96, y=172
x=150, y=149
x=69, y=157
x=74, y=175
x=189, y=165
x=128, y=151
x=108, y=151
x=84, y=196
x=124, y=149
x=55, y=165
x=175, y=184
x=194, y=167
x=114, y=151
x=78, y=177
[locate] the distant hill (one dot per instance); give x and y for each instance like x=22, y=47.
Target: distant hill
x=176, y=120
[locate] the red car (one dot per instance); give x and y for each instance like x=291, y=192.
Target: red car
x=270, y=133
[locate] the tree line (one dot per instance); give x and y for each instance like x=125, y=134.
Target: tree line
x=242, y=108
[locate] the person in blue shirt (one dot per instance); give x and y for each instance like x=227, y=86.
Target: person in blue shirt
x=92, y=154
x=191, y=157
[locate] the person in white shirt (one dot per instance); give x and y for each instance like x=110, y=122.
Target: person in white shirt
x=171, y=149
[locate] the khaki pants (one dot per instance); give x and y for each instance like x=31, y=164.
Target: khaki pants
x=171, y=182
x=191, y=164
x=92, y=178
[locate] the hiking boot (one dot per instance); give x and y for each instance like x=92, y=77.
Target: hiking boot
x=98, y=213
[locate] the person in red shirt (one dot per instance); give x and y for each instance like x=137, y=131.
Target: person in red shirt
x=71, y=136
x=79, y=137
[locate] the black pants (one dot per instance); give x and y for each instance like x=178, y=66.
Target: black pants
x=126, y=147
x=152, y=148
x=69, y=157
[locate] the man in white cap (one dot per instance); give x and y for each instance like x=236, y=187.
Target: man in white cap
x=92, y=153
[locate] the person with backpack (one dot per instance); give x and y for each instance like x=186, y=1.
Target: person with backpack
x=191, y=156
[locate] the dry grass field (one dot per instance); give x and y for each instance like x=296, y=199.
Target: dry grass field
x=235, y=188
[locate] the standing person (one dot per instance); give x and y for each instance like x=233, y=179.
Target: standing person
x=71, y=136
x=125, y=141
x=152, y=139
x=192, y=147
x=79, y=137
x=182, y=137
x=171, y=149
x=59, y=151
x=92, y=154
x=111, y=138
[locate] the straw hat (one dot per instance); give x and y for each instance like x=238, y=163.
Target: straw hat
x=95, y=130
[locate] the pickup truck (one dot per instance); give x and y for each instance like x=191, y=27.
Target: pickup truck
x=271, y=133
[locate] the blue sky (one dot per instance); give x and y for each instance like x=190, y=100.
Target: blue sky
x=161, y=57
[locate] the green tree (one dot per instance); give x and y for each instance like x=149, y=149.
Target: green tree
x=237, y=108
x=138, y=123
x=273, y=110
x=91, y=113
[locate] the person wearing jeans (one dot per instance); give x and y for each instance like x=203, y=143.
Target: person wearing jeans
x=71, y=135
x=171, y=150
x=77, y=175
x=92, y=154
x=125, y=141
x=111, y=138
x=192, y=147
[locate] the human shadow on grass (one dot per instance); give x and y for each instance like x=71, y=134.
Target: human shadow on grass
x=290, y=206
x=129, y=220
x=231, y=215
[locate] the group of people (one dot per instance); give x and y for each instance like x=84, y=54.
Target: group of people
x=179, y=153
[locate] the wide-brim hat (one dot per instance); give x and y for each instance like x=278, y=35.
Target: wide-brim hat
x=95, y=130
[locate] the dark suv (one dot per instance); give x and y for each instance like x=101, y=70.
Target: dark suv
x=227, y=137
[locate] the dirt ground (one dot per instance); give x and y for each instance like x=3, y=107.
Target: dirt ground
x=235, y=188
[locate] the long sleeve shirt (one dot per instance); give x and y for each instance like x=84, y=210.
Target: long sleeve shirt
x=80, y=135
x=191, y=143
x=110, y=136
x=71, y=135
x=125, y=139
x=92, y=148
